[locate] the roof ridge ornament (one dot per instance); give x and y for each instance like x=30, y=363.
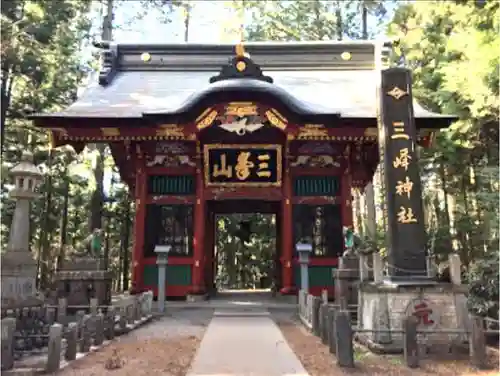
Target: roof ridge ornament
x=241, y=66
x=109, y=61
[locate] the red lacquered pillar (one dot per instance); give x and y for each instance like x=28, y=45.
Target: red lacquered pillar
x=287, y=230
x=199, y=236
x=139, y=225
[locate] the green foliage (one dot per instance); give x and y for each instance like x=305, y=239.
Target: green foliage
x=484, y=286
x=243, y=264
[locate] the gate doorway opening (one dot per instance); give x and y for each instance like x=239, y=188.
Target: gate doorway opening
x=244, y=253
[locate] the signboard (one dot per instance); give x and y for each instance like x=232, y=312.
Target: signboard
x=242, y=165
x=406, y=232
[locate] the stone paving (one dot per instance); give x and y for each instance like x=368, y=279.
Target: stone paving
x=245, y=344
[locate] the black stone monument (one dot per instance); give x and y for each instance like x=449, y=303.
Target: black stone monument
x=398, y=142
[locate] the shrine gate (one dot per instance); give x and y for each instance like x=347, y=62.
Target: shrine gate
x=196, y=130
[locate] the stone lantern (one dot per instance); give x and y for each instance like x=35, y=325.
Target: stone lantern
x=18, y=265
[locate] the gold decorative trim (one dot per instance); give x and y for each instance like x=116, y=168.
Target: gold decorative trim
x=241, y=109
x=207, y=120
x=206, y=165
x=239, y=49
x=397, y=93
x=203, y=114
x=371, y=132
x=276, y=119
x=110, y=131
x=171, y=131
x=313, y=131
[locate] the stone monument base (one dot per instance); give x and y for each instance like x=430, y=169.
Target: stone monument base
x=83, y=278
x=439, y=307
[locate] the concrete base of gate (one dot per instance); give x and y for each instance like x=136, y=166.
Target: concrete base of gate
x=382, y=308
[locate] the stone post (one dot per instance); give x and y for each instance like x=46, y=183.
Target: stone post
x=410, y=344
x=455, y=269
x=71, y=341
x=431, y=267
x=378, y=268
x=363, y=268
x=62, y=306
x=94, y=306
x=161, y=261
x=304, y=250
x=55, y=342
x=18, y=265
x=477, y=343
x=344, y=338
x=398, y=139
x=346, y=281
x=8, y=329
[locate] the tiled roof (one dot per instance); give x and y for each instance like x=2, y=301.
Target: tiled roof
x=312, y=76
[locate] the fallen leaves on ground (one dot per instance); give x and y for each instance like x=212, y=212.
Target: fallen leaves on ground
x=166, y=357
x=318, y=361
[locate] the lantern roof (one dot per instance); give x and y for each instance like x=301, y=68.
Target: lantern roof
x=26, y=167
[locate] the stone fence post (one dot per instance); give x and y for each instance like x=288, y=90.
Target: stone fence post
x=378, y=268
x=455, y=269
x=62, y=307
x=55, y=343
x=8, y=329
x=344, y=339
x=477, y=343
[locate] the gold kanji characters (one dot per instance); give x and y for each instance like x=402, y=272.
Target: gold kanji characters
x=403, y=159
x=223, y=169
x=243, y=165
x=399, y=131
x=404, y=187
x=405, y=215
x=263, y=167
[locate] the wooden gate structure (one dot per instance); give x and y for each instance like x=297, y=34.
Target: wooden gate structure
x=287, y=128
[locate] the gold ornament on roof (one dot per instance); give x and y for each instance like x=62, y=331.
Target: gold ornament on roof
x=146, y=57
x=346, y=55
x=240, y=50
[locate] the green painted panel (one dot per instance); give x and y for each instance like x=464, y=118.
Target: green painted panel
x=177, y=275
x=171, y=185
x=316, y=186
x=318, y=276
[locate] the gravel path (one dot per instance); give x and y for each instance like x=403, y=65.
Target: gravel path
x=166, y=346
x=318, y=361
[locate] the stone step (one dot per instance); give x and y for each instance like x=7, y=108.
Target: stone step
x=241, y=313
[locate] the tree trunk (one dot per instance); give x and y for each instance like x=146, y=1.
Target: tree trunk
x=96, y=206
x=364, y=15
x=64, y=220
x=187, y=17
x=45, y=254
x=371, y=222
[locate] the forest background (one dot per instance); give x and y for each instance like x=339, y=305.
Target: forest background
x=451, y=47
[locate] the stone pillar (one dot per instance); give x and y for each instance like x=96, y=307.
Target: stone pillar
x=304, y=250
x=398, y=151
x=346, y=280
x=18, y=265
x=455, y=269
x=431, y=267
x=378, y=268
x=161, y=261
